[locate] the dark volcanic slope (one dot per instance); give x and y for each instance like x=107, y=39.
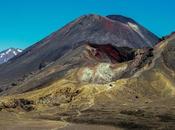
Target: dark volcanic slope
x=116, y=30
x=146, y=35
x=86, y=55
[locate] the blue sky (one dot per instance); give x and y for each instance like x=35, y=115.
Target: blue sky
x=24, y=22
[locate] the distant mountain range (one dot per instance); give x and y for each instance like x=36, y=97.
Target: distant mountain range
x=95, y=70
x=8, y=54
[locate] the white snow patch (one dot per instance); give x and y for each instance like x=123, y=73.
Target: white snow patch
x=8, y=51
x=19, y=50
x=134, y=26
x=137, y=29
x=14, y=53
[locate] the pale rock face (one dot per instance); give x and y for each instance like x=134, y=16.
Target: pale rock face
x=102, y=73
x=87, y=75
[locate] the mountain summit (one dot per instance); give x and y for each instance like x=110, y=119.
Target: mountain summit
x=118, y=31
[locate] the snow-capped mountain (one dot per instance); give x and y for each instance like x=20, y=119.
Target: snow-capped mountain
x=9, y=54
